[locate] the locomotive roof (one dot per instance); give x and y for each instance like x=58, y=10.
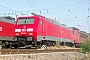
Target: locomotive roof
x=57, y=23
x=79, y=30
x=51, y=20
x=54, y=22
x=8, y=19
x=48, y=19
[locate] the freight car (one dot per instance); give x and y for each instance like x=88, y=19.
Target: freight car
x=7, y=26
x=42, y=32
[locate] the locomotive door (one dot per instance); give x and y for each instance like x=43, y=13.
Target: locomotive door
x=43, y=28
x=41, y=23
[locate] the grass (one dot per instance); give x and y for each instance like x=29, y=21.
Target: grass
x=57, y=44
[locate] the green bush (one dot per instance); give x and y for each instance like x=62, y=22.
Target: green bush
x=86, y=46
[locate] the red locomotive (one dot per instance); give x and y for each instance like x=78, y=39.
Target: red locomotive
x=79, y=36
x=41, y=32
x=37, y=31
x=7, y=26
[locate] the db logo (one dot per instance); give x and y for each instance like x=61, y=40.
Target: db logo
x=0, y=28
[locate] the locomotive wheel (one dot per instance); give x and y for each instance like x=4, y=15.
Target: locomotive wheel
x=44, y=47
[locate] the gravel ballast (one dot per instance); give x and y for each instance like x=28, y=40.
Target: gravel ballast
x=45, y=56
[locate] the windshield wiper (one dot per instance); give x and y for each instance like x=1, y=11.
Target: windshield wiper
x=25, y=21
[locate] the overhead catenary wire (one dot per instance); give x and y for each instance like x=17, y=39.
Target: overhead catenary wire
x=69, y=9
x=88, y=12
x=33, y=4
x=43, y=8
x=48, y=10
x=30, y=4
x=83, y=12
x=84, y=16
x=22, y=3
x=81, y=9
x=68, y=5
x=66, y=10
x=69, y=12
x=7, y=8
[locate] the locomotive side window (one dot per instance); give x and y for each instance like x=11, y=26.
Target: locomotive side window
x=7, y=20
x=41, y=22
x=26, y=21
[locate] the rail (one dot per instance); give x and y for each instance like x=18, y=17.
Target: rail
x=19, y=51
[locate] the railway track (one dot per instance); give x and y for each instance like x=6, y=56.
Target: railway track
x=27, y=51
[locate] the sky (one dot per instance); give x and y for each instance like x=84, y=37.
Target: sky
x=72, y=13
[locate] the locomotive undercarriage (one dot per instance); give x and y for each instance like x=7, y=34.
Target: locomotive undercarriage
x=44, y=43
x=29, y=41
x=24, y=42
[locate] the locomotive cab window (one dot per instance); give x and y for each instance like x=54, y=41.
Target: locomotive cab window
x=26, y=21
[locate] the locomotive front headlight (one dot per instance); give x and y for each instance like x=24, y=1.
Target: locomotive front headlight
x=29, y=29
x=30, y=33
x=17, y=30
x=17, y=33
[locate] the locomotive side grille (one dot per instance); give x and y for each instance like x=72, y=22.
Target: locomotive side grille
x=83, y=35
